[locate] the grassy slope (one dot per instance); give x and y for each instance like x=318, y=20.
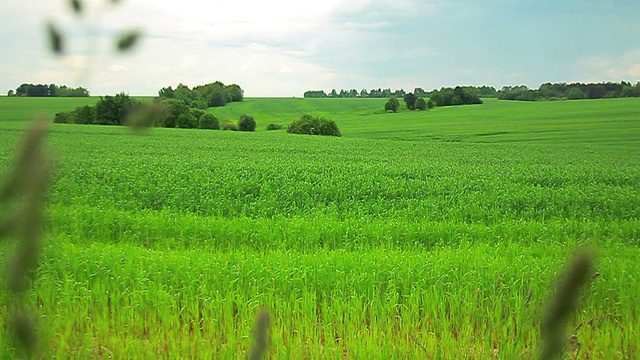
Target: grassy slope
x=407, y=243
x=612, y=120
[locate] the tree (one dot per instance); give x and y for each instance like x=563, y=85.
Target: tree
x=166, y=92
x=315, y=94
x=576, y=94
x=111, y=110
x=199, y=103
x=421, y=104
x=392, y=104
x=457, y=100
x=186, y=121
x=313, y=125
x=246, y=123
x=10, y=93
x=236, y=94
x=172, y=110
x=437, y=99
x=399, y=93
x=410, y=99
x=430, y=104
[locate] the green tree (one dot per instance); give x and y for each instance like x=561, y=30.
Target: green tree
x=410, y=100
x=166, y=92
x=10, y=93
x=392, y=104
x=111, y=110
x=457, y=100
x=313, y=125
x=421, y=104
x=576, y=94
x=436, y=98
x=172, y=110
x=236, y=94
x=199, y=103
x=209, y=121
x=430, y=104
x=186, y=120
x=246, y=123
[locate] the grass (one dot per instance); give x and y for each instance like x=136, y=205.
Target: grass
x=412, y=236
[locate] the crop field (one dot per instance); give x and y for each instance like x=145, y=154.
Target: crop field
x=436, y=234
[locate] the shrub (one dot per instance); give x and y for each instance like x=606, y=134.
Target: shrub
x=200, y=103
x=63, y=118
x=311, y=125
x=186, y=121
x=392, y=104
x=457, y=100
x=246, y=123
x=430, y=104
x=228, y=125
x=421, y=104
x=274, y=127
x=208, y=121
x=196, y=113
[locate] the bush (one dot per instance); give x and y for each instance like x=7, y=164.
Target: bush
x=63, y=118
x=112, y=110
x=457, y=100
x=430, y=104
x=200, y=103
x=392, y=104
x=274, y=127
x=246, y=123
x=208, y=121
x=310, y=125
x=186, y=121
x=228, y=125
x=421, y=104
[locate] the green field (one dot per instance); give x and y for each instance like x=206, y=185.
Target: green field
x=434, y=234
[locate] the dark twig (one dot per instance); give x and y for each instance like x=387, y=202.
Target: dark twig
x=562, y=306
x=261, y=336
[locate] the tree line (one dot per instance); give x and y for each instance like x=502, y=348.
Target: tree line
x=180, y=108
x=573, y=91
x=204, y=96
x=443, y=97
x=480, y=91
x=52, y=90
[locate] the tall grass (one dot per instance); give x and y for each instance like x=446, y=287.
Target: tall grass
x=170, y=243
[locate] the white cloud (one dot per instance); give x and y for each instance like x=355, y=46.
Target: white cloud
x=284, y=47
x=615, y=68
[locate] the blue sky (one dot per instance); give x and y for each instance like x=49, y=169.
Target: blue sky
x=284, y=47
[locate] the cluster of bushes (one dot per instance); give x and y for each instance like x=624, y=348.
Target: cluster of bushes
x=168, y=113
x=204, y=96
x=456, y=96
x=412, y=101
x=53, y=90
x=272, y=127
x=109, y=110
x=574, y=91
x=442, y=97
x=314, y=125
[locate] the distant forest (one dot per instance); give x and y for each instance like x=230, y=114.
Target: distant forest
x=53, y=90
x=481, y=91
x=574, y=91
x=547, y=91
x=204, y=96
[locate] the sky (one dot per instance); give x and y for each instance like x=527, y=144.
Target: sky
x=282, y=48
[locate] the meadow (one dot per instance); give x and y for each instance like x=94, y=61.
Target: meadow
x=436, y=234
